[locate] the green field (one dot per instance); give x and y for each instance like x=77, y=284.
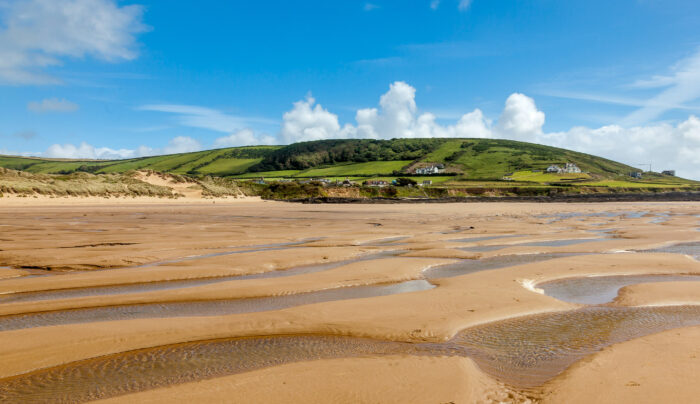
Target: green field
x=369, y=168
x=530, y=176
x=222, y=167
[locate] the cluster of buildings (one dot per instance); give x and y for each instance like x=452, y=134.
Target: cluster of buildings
x=569, y=168
x=429, y=170
x=383, y=183
x=638, y=174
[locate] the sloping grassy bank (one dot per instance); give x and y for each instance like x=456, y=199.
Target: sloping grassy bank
x=129, y=184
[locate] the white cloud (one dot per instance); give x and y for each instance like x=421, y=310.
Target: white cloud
x=308, y=121
x=370, y=6
x=37, y=34
x=464, y=4
x=435, y=4
x=245, y=137
x=681, y=86
x=179, y=144
x=52, y=105
x=205, y=118
x=87, y=151
x=520, y=118
x=182, y=144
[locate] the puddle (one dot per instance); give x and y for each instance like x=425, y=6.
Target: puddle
x=204, y=308
x=470, y=266
x=475, y=239
x=523, y=352
x=385, y=241
x=660, y=218
x=549, y=243
x=156, y=286
x=636, y=215
x=582, y=216
x=560, y=243
x=602, y=289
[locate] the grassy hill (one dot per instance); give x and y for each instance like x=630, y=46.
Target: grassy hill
x=465, y=160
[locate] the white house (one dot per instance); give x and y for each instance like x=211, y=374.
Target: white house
x=553, y=169
x=430, y=170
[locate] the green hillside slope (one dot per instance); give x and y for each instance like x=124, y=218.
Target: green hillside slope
x=219, y=162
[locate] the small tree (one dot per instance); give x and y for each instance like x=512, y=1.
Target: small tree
x=390, y=192
x=405, y=182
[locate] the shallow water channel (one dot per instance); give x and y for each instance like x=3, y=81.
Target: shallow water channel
x=465, y=267
x=524, y=352
x=691, y=249
x=166, y=285
x=204, y=308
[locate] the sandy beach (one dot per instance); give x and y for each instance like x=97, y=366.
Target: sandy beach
x=404, y=299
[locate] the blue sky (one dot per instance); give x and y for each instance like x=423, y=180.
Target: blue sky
x=104, y=78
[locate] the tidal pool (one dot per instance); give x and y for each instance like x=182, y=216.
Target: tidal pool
x=602, y=289
x=524, y=352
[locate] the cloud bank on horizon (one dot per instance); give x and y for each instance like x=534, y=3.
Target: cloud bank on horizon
x=668, y=146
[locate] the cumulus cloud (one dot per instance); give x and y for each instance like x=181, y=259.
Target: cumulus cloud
x=520, y=118
x=245, y=137
x=308, y=121
x=87, y=151
x=179, y=144
x=38, y=34
x=52, y=105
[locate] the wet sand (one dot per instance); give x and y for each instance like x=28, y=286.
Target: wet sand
x=102, y=279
